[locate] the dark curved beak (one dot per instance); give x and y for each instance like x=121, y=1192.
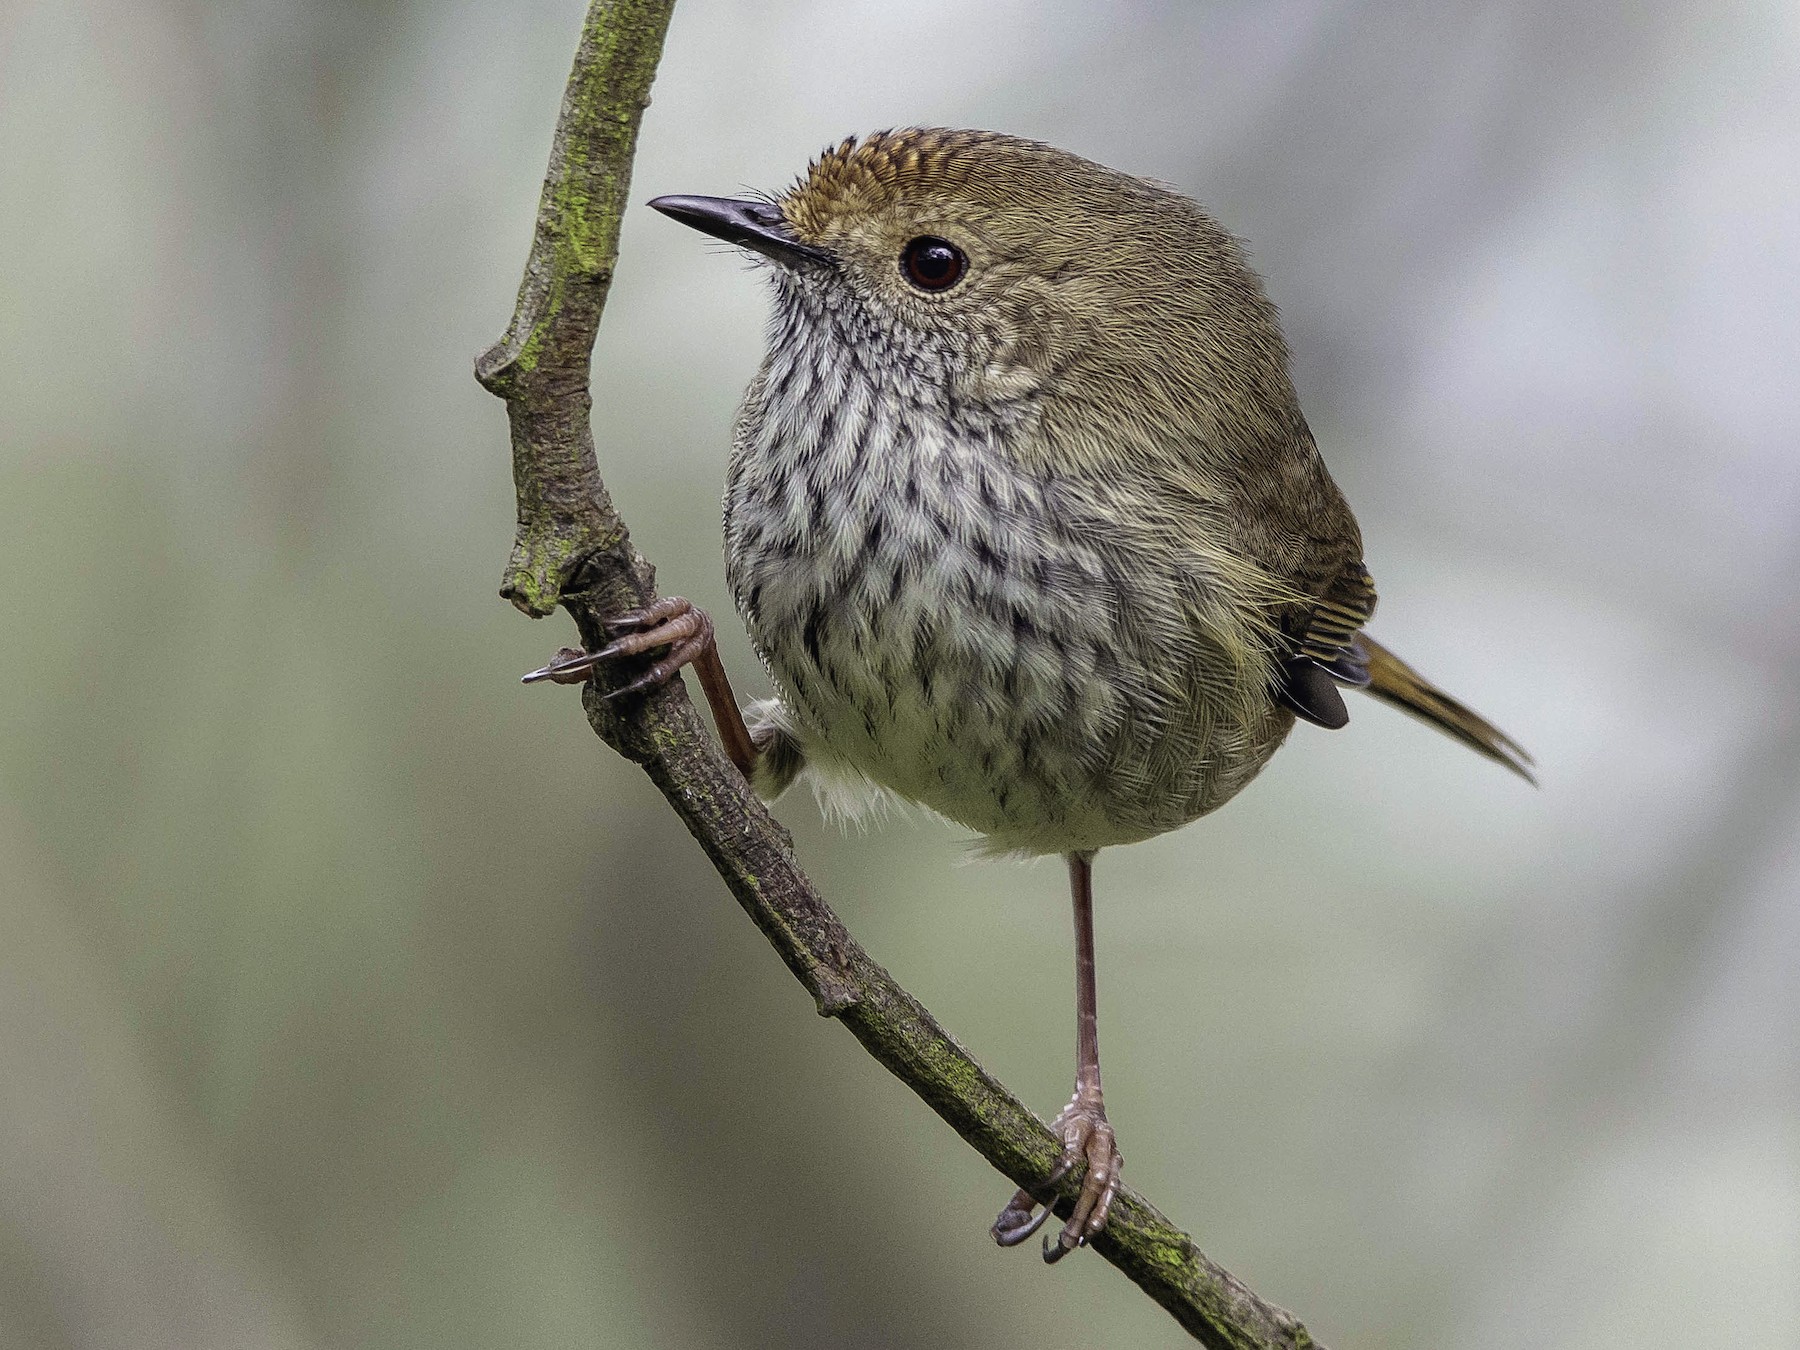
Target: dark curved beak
x=748, y=224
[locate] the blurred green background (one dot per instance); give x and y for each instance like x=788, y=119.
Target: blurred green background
x=352, y=995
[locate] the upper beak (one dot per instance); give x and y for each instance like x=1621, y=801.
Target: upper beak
x=749, y=224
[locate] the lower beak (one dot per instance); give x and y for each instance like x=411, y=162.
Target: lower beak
x=748, y=224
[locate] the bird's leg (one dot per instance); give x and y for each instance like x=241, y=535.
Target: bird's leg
x=1082, y=1126
x=687, y=632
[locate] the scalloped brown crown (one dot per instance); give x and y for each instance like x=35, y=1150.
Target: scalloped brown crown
x=858, y=176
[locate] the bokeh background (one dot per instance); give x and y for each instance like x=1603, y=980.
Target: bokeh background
x=352, y=995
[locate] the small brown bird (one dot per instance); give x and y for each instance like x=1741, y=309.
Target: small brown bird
x=1025, y=522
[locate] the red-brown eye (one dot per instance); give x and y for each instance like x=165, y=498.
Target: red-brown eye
x=933, y=264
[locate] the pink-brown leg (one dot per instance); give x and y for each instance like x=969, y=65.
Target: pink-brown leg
x=1082, y=1125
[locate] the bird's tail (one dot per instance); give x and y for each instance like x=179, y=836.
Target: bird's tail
x=1393, y=681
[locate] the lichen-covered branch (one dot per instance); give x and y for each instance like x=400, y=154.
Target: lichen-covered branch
x=573, y=550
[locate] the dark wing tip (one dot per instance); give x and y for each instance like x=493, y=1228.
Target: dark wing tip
x=1307, y=690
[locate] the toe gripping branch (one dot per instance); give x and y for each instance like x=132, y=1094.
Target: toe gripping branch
x=686, y=632
x=668, y=622
x=1087, y=1138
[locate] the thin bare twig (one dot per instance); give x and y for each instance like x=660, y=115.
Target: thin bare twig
x=572, y=549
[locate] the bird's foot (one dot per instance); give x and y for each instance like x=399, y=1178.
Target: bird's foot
x=1086, y=1138
x=668, y=622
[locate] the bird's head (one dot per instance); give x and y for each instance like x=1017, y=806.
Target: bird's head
x=1012, y=270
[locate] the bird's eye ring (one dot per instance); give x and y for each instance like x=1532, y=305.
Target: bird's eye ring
x=933, y=264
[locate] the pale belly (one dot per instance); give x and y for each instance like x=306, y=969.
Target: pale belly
x=969, y=637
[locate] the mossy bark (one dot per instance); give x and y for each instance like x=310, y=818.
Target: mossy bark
x=572, y=549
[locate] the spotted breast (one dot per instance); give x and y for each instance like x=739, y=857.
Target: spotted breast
x=947, y=623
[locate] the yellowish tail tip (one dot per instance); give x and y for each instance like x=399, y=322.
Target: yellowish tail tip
x=1395, y=682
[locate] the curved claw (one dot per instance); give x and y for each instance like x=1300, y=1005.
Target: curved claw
x=1016, y=1222
x=570, y=665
